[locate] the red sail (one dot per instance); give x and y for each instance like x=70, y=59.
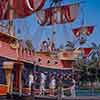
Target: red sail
x=22, y=8
x=58, y=15
x=83, y=30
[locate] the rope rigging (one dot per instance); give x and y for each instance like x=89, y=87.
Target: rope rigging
x=83, y=32
x=83, y=37
x=55, y=2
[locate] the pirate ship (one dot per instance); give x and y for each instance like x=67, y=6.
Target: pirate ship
x=15, y=58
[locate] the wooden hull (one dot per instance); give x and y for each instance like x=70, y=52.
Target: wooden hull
x=60, y=60
x=54, y=62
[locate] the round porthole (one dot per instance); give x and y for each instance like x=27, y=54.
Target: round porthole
x=55, y=62
x=39, y=60
x=48, y=61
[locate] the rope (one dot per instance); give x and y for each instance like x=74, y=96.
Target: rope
x=83, y=14
x=65, y=33
x=55, y=3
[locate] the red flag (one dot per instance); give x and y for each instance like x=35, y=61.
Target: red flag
x=21, y=8
x=89, y=30
x=83, y=30
x=86, y=51
x=76, y=32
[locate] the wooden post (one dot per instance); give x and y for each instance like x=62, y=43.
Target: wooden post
x=20, y=78
x=8, y=67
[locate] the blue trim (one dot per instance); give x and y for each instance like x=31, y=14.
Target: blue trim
x=2, y=74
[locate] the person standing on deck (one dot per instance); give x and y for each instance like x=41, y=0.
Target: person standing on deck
x=72, y=89
x=42, y=83
x=52, y=85
x=60, y=87
x=31, y=79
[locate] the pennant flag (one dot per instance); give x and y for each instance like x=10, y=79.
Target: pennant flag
x=86, y=52
x=83, y=30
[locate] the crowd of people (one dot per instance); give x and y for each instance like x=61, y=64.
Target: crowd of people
x=54, y=82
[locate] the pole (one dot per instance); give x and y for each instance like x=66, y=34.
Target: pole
x=11, y=15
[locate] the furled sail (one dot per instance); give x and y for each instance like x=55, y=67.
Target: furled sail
x=83, y=30
x=58, y=15
x=21, y=8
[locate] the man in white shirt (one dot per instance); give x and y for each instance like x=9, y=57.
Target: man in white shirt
x=72, y=89
x=42, y=83
x=31, y=79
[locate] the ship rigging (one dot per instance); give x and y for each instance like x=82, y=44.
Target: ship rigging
x=25, y=64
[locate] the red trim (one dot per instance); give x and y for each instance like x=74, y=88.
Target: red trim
x=3, y=89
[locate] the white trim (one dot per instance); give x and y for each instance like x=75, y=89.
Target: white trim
x=29, y=6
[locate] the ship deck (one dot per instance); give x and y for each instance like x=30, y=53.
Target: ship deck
x=68, y=98
x=54, y=98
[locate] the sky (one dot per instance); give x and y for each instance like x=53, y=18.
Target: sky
x=30, y=29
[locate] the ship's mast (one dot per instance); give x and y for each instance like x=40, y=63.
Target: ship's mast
x=53, y=37
x=11, y=16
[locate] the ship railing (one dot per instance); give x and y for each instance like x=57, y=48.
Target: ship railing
x=47, y=92
x=25, y=53
x=3, y=29
x=69, y=55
